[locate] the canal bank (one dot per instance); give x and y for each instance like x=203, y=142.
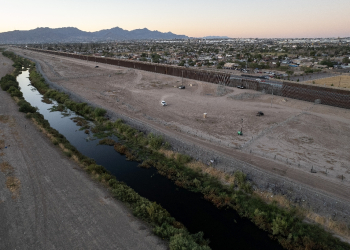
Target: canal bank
x=224, y=228
x=58, y=206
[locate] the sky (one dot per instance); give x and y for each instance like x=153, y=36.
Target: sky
x=194, y=18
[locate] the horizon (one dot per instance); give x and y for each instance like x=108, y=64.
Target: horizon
x=219, y=36
x=268, y=19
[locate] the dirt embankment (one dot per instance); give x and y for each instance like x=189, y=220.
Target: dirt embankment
x=48, y=202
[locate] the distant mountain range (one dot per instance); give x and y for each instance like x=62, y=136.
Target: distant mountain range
x=71, y=34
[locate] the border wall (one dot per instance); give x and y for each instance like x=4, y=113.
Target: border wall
x=328, y=96
x=195, y=74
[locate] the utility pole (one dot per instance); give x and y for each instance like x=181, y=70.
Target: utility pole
x=182, y=80
x=272, y=97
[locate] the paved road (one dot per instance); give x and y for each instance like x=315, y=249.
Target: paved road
x=58, y=206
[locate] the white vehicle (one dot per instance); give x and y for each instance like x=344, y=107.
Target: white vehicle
x=163, y=103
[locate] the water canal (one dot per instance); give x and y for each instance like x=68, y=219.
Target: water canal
x=224, y=228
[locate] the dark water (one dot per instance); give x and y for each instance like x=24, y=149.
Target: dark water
x=224, y=228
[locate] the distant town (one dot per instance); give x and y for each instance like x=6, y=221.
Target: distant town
x=292, y=59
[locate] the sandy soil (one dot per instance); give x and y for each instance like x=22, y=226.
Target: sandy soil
x=300, y=135
x=342, y=81
x=48, y=202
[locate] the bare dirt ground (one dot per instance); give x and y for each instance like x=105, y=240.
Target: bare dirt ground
x=341, y=81
x=48, y=202
x=295, y=135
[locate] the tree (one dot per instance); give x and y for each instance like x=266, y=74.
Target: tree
x=220, y=64
x=327, y=62
x=289, y=72
x=182, y=63
x=346, y=60
x=155, y=58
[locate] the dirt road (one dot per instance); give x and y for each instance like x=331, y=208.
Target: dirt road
x=48, y=202
x=293, y=136
x=277, y=150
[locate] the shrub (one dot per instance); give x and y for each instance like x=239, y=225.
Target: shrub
x=279, y=226
x=184, y=241
x=118, y=122
x=7, y=78
x=183, y=159
x=130, y=132
x=38, y=81
x=87, y=110
x=147, y=163
x=165, y=231
x=106, y=177
x=100, y=119
x=122, y=128
x=25, y=107
x=58, y=96
x=246, y=187
x=94, y=168
x=107, y=141
x=130, y=156
x=125, y=193
x=167, y=145
x=99, y=112
x=59, y=107
x=61, y=97
x=14, y=91
x=240, y=178
x=241, y=182
x=8, y=81
x=120, y=148
x=6, y=85
x=68, y=153
x=155, y=141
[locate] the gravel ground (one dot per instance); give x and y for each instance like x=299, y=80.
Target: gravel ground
x=49, y=202
x=279, y=176
x=284, y=169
